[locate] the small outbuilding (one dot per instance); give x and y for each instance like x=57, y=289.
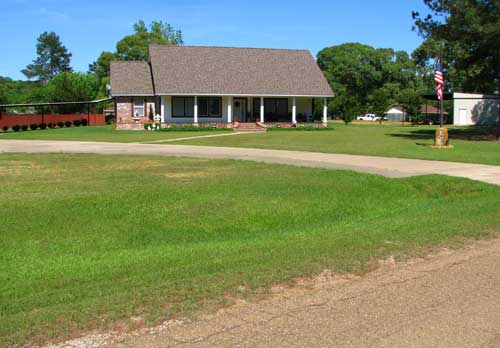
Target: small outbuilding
x=396, y=113
x=471, y=108
x=475, y=109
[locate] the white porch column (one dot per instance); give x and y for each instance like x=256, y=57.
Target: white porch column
x=162, y=109
x=261, y=109
x=325, y=111
x=294, y=110
x=229, y=109
x=195, y=109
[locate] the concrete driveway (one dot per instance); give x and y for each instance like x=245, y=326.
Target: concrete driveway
x=386, y=166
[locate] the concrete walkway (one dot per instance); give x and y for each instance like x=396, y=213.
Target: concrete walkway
x=386, y=166
x=196, y=137
x=450, y=299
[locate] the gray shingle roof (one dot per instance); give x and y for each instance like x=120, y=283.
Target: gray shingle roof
x=130, y=78
x=224, y=71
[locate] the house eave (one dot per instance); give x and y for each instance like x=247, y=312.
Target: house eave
x=132, y=95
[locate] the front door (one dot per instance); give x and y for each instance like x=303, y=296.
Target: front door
x=240, y=109
x=462, y=116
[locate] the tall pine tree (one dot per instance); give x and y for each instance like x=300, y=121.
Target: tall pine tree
x=53, y=58
x=467, y=34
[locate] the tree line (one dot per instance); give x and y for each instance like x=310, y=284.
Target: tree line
x=365, y=79
x=52, y=79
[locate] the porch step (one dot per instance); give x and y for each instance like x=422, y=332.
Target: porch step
x=249, y=127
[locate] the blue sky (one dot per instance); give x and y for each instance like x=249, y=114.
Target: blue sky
x=90, y=27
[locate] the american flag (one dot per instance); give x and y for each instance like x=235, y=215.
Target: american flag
x=439, y=79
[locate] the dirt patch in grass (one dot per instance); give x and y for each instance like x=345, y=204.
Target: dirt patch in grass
x=182, y=175
x=16, y=167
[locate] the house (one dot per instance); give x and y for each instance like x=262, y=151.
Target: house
x=218, y=86
x=432, y=114
x=396, y=113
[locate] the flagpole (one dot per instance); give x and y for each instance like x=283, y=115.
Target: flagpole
x=441, y=121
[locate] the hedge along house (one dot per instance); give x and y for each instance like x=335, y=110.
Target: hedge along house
x=218, y=86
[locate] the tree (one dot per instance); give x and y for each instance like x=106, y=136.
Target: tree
x=53, y=58
x=16, y=92
x=101, y=66
x=135, y=46
x=467, y=34
x=411, y=100
x=355, y=71
x=347, y=107
x=70, y=87
x=380, y=101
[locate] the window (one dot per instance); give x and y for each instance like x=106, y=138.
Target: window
x=202, y=107
x=209, y=107
x=275, y=109
x=183, y=106
x=138, y=107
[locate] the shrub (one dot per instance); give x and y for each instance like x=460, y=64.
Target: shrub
x=188, y=128
x=42, y=125
x=67, y=123
x=33, y=126
x=347, y=118
x=16, y=128
x=303, y=128
x=152, y=126
x=60, y=124
x=24, y=127
x=84, y=122
x=51, y=125
x=110, y=119
x=77, y=123
x=5, y=128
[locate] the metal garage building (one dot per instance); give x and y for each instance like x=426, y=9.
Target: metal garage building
x=475, y=109
x=471, y=108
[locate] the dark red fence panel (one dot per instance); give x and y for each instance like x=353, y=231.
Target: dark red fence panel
x=10, y=120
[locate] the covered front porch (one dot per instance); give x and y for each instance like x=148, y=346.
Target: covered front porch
x=229, y=111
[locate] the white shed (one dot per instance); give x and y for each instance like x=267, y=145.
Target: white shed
x=475, y=109
x=395, y=113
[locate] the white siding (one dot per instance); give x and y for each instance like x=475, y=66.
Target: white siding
x=478, y=111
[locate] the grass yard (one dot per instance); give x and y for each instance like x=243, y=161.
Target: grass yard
x=471, y=144
x=103, y=133
x=89, y=241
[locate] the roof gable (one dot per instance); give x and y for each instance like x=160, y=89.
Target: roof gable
x=130, y=78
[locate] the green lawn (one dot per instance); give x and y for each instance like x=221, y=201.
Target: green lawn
x=471, y=144
x=103, y=133
x=88, y=240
